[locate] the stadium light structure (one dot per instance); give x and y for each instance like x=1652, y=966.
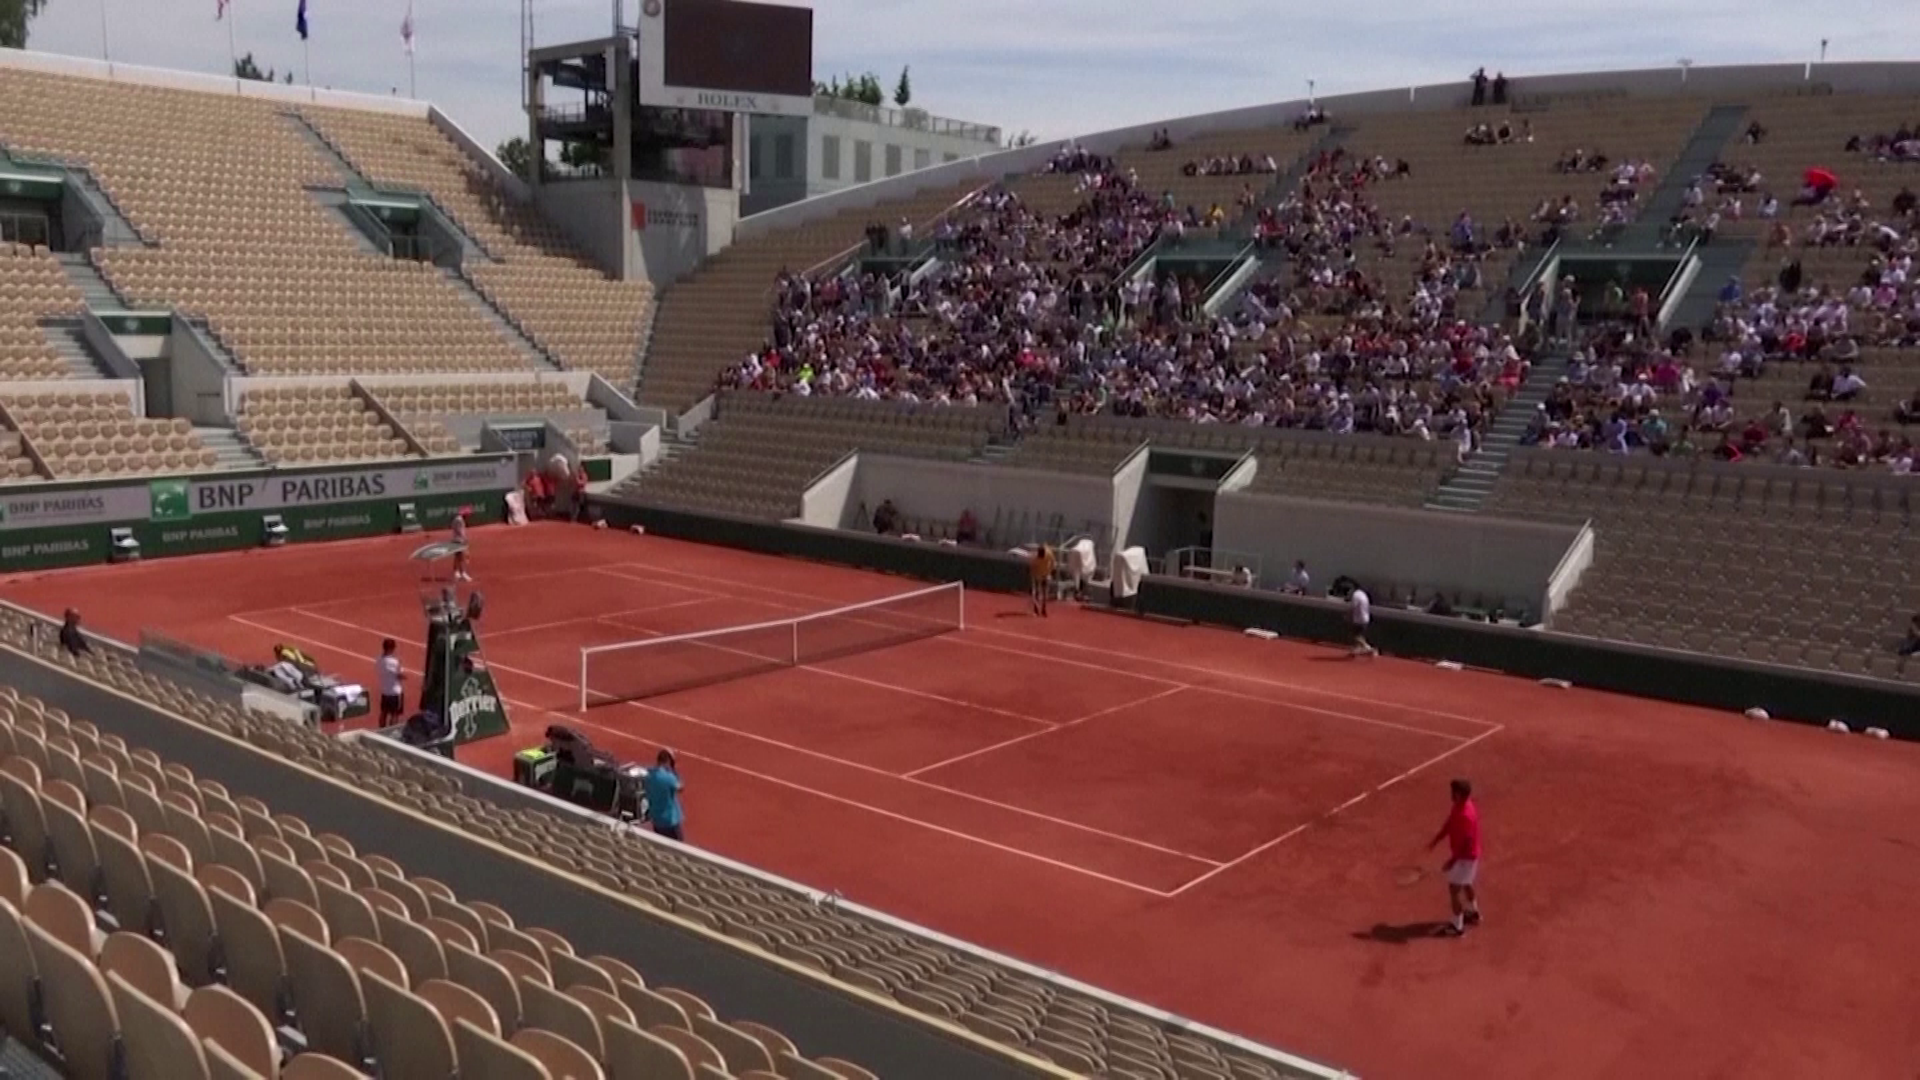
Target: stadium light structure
x=1686, y=64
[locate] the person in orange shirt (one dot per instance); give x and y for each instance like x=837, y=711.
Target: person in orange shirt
x=1041, y=569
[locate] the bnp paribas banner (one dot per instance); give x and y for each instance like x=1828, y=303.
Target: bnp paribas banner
x=177, y=499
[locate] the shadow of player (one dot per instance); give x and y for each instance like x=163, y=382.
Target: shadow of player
x=1400, y=934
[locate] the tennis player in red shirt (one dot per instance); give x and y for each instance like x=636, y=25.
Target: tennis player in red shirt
x=1462, y=833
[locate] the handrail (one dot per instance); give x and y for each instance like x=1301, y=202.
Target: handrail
x=846, y=253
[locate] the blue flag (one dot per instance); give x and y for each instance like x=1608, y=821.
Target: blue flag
x=300, y=20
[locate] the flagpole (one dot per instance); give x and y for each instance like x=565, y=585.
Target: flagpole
x=106, y=43
x=233, y=49
x=413, y=91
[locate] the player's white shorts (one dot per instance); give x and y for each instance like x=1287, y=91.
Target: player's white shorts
x=1462, y=872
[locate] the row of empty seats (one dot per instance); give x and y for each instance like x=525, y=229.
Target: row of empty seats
x=219, y=187
x=1806, y=568
x=760, y=453
x=87, y=435
x=163, y=916
x=32, y=288
x=571, y=309
x=315, y=424
x=1080, y=1032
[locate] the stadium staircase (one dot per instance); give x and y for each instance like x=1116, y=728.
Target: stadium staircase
x=230, y=451
x=71, y=344
x=93, y=285
x=536, y=356
x=1718, y=261
x=1468, y=488
x=1722, y=122
x=1287, y=182
x=210, y=340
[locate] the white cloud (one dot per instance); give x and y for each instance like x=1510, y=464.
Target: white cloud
x=1054, y=67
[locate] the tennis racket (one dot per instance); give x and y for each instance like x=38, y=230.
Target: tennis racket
x=1410, y=875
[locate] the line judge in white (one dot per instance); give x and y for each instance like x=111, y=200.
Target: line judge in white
x=1360, y=614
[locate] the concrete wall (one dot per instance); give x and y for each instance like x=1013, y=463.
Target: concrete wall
x=942, y=489
x=593, y=214
x=1378, y=546
x=196, y=379
x=670, y=228
x=1715, y=83
x=830, y=498
x=213, y=84
x=1566, y=576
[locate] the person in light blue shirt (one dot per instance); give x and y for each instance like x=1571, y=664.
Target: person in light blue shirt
x=662, y=787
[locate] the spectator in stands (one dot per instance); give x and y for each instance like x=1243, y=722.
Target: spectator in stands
x=71, y=638
x=1479, y=87
x=1500, y=88
x=1908, y=411
x=1298, y=582
x=663, y=790
x=887, y=518
x=1755, y=133
x=1911, y=646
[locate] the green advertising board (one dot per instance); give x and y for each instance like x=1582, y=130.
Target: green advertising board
x=55, y=525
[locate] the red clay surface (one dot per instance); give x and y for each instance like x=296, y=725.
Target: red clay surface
x=1210, y=823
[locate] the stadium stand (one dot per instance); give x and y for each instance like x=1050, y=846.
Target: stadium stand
x=32, y=287
x=300, y=425
x=532, y=274
x=716, y=315
x=767, y=450
x=81, y=435
x=334, y=895
x=1797, y=567
x=283, y=286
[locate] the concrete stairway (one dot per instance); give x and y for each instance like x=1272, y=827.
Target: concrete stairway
x=1287, y=182
x=1722, y=122
x=534, y=354
x=1719, y=261
x=230, y=451
x=223, y=355
x=99, y=292
x=67, y=340
x=1467, y=489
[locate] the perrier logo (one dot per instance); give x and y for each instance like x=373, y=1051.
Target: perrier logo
x=422, y=482
x=169, y=500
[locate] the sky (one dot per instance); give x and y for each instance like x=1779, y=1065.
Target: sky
x=1054, y=68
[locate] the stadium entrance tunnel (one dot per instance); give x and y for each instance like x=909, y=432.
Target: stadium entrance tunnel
x=1665, y=276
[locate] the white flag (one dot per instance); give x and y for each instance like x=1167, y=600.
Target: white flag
x=406, y=30
x=220, y=9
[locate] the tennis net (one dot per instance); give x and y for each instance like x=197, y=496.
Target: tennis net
x=649, y=667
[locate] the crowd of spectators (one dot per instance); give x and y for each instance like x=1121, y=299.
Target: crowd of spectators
x=1627, y=392
x=1027, y=309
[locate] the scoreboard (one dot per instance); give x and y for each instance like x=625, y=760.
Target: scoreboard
x=726, y=56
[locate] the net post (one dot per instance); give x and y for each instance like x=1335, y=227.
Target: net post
x=960, y=588
x=583, y=680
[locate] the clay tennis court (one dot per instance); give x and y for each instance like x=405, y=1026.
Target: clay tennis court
x=1220, y=826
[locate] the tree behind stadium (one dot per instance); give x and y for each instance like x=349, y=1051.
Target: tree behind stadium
x=14, y=16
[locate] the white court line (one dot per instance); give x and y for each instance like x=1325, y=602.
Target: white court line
x=506, y=579
x=1016, y=740
x=1101, y=650
x=613, y=617
x=764, y=777
x=1356, y=800
x=790, y=747
x=850, y=677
